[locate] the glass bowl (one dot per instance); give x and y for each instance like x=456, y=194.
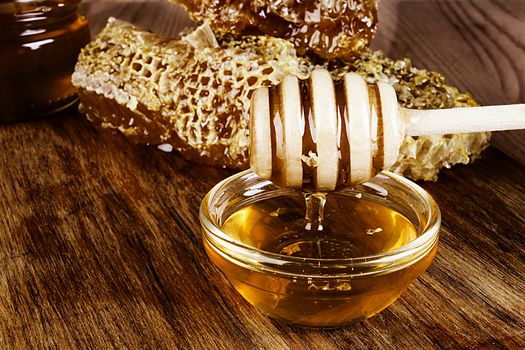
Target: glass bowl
x=320, y=292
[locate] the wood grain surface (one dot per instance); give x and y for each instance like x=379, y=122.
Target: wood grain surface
x=100, y=243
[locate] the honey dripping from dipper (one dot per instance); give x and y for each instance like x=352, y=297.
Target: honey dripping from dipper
x=300, y=140
x=321, y=141
x=319, y=136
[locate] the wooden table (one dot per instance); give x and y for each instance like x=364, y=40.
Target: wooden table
x=100, y=242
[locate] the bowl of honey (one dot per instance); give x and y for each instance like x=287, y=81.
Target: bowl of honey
x=331, y=260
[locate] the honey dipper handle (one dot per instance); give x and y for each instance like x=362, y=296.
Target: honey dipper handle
x=463, y=120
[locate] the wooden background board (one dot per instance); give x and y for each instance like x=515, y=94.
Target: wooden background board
x=478, y=45
x=100, y=242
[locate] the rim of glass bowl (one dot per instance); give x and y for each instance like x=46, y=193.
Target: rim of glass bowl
x=254, y=258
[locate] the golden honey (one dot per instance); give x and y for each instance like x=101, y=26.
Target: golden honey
x=320, y=260
x=353, y=226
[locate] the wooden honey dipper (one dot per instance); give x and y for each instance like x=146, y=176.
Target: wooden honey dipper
x=318, y=134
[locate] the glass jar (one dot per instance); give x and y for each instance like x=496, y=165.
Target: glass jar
x=39, y=44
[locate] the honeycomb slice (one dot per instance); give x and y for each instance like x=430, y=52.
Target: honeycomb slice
x=185, y=94
x=193, y=94
x=329, y=29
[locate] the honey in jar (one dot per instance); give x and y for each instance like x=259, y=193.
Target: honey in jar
x=39, y=45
